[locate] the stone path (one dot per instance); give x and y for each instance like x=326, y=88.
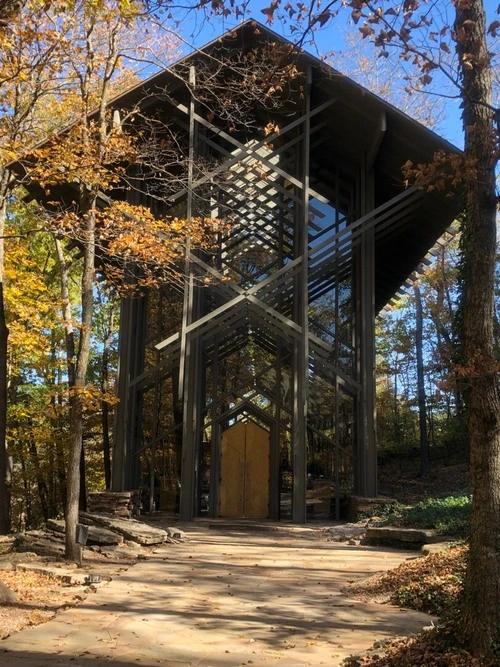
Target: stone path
x=230, y=595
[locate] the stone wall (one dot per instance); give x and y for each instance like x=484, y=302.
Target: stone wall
x=124, y=504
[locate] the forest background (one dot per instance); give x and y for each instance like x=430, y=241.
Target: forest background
x=58, y=63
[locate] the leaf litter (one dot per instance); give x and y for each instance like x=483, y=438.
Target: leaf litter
x=431, y=584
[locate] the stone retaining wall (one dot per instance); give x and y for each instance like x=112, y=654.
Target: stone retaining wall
x=122, y=504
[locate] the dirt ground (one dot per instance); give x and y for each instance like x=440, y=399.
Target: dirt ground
x=407, y=486
x=39, y=598
x=41, y=595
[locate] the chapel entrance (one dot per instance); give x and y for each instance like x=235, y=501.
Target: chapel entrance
x=244, y=472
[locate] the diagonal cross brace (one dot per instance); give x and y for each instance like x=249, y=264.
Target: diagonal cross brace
x=250, y=150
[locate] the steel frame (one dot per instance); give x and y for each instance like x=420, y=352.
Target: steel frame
x=284, y=332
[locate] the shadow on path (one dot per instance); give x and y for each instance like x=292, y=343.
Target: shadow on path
x=224, y=599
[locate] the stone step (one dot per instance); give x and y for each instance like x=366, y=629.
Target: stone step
x=176, y=534
x=65, y=575
x=344, y=532
x=129, y=528
x=97, y=534
x=359, y=505
x=437, y=547
x=405, y=538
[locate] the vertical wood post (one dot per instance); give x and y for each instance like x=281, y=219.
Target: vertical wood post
x=124, y=469
x=366, y=473
x=301, y=346
x=187, y=361
x=123, y=373
x=215, y=439
x=275, y=445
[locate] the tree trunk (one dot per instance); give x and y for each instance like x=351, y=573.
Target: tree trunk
x=77, y=373
x=72, y=485
x=61, y=474
x=73, y=550
x=82, y=499
x=69, y=331
x=397, y=418
x=4, y=459
x=25, y=521
x=4, y=334
x=40, y=480
x=106, y=444
x=61, y=465
x=421, y=397
x=77, y=399
x=481, y=617
x=56, y=402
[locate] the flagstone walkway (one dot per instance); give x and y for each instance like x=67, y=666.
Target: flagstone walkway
x=230, y=595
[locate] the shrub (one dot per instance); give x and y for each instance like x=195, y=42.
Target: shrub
x=449, y=515
x=436, y=595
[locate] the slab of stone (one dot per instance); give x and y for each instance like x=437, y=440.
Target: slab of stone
x=436, y=538
x=115, y=503
x=57, y=525
x=130, y=544
x=10, y=559
x=218, y=601
x=41, y=543
x=345, y=532
x=124, y=553
x=66, y=576
x=396, y=536
x=103, y=536
x=176, y=534
x=43, y=535
x=359, y=505
x=437, y=547
x=129, y=528
x=6, y=595
x=97, y=534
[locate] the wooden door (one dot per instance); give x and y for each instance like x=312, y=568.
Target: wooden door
x=244, y=484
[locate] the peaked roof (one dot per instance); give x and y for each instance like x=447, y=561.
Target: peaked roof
x=357, y=126
x=251, y=32
x=358, y=123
